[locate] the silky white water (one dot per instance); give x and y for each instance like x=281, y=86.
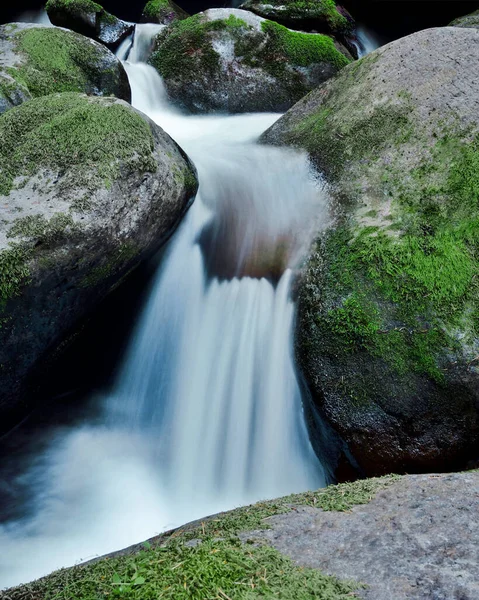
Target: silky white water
x=205, y=414
x=367, y=42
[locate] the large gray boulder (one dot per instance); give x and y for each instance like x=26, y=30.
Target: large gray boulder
x=388, y=326
x=89, y=188
x=37, y=60
x=232, y=60
x=90, y=19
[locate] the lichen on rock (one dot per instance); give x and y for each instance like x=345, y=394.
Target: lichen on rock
x=232, y=60
x=388, y=328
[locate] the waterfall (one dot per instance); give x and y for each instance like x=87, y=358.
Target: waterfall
x=34, y=16
x=205, y=414
x=367, y=41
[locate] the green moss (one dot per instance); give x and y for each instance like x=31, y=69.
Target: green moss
x=40, y=229
x=403, y=296
x=57, y=61
x=159, y=10
x=185, y=50
x=299, y=10
x=73, y=7
x=88, y=138
x=126, y=252
x=33, y=231
x=14, y=271
x=345, y=496
x=216, y=565
x=335, y=142
x=220, y=569
x=302, y=49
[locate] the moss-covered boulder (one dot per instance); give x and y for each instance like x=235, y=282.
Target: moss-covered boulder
x=388, y=327
x=323, y=16
x=90, y=19
x=232, y=60
x=89, y=187
x=471, y=20
x=37, y=61
x=162, y=12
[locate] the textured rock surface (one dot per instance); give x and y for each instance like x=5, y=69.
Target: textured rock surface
x=322, y=16
x=471, y=20
x=232, y=60
x=387, y=334
x=90, y=19
x=37, y=60
x=162, y=12
x=417, y=539
x=89, y=187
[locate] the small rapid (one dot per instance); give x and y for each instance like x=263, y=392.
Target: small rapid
x=205, y=413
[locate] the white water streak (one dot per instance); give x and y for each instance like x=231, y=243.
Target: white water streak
x=206, y=413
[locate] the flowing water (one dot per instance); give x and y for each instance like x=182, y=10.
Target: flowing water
x=367, y=41
x=205, y=413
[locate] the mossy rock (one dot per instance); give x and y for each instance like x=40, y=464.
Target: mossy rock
x=471, y=20
x=89, y=18
x=89, y=187
x=37, y=61
x=163, y=12
x=232, y=60
x=324, y=16
x=388, y=327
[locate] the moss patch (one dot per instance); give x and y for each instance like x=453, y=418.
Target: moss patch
x=159, y=11
x=74, y=7
x=302, y=49
x=14, y=271
x=185, y=50
x=216, y=565
x=57, y=61
x=323, y=13
x=89, y=138
x=402, y=291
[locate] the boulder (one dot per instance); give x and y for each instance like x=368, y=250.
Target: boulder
x=388, y=327
x=90, y=19
x=322, y=16
x=471, y=20
x=37, y=60
x=232, y=60
x=89, y=187
x=162, y=12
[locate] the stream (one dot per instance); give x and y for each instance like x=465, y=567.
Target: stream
x=205, y=411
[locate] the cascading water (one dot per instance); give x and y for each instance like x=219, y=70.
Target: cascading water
x=206, y=412
x=367, y=41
